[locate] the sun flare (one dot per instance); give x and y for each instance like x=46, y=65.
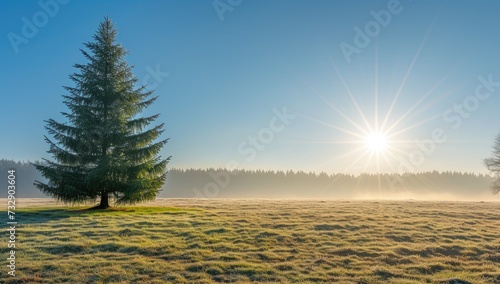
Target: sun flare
x=377, y=142
x=381, y=139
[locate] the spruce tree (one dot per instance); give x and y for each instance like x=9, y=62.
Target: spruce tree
x=105, y=149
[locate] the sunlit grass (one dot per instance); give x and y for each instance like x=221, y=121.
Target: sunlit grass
x=211, y=241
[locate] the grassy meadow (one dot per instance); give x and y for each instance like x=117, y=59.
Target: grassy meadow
x=261, y=241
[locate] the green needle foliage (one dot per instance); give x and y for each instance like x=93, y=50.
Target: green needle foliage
x=105, y=149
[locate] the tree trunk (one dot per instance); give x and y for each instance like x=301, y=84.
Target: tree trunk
x=104, y=200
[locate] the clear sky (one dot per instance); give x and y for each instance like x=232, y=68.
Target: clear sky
x=334, y=86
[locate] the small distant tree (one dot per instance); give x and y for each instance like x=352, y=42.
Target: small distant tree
x=493, y=165
x=105, y=149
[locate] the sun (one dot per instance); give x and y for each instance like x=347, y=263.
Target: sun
x=376, y=142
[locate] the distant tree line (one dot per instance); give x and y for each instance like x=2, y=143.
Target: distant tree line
x=209, y=183
x=219, y=183
x=25, y=173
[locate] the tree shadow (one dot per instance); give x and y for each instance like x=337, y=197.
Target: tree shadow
x=42, y=215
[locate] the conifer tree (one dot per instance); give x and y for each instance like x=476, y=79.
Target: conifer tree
x=105, y=149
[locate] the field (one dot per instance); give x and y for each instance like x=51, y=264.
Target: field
x=262, y=241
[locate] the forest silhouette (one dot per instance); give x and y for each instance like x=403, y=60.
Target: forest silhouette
x=220, y=183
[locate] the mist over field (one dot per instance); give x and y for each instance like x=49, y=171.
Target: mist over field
x=212, y=183
x=221, y=183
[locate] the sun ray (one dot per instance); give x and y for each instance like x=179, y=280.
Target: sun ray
x=394, y=170
x=358, y=149
x=415, y=125
x=367, y=163
x=386, y=158
x=332, y=126
x=415, y=105
x=358, y=159
x=400, y=157
x=405, y=77
x=320, y=142
x=344, y=116
x=358, y=109
x=376, y=143
x=379, y=182
x=336, y=109
x=349, y=153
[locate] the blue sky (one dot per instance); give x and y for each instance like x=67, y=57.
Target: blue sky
x=224, y=69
